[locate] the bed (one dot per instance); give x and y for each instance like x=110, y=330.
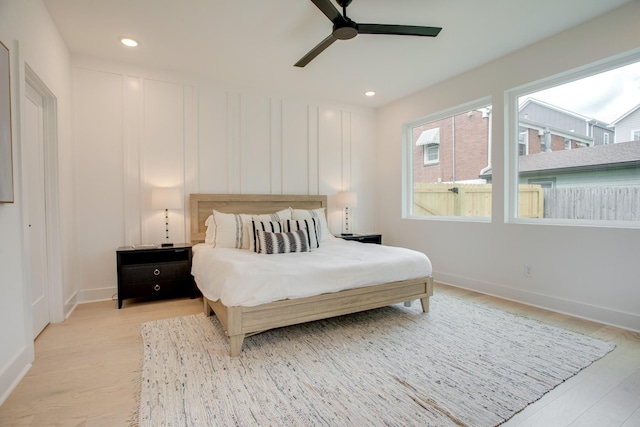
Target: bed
x=242, y=318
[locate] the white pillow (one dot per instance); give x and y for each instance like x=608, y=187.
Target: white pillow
x=320, y=217
x=229, y=230
x=225, y=230
x=210, y=234
x=271, y=217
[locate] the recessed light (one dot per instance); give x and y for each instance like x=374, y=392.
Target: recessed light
x=369, y=93
x=128, y=42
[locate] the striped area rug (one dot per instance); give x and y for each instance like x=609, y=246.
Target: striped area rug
x=461, y=364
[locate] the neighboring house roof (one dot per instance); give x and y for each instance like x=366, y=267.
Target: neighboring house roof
x=622, y=117
x=610, y=156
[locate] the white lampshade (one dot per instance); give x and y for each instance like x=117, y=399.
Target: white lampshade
x=347, y=199
x=166, y=198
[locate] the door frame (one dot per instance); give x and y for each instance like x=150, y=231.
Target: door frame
x=51, y=195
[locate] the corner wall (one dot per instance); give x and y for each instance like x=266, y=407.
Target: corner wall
x=588, y=272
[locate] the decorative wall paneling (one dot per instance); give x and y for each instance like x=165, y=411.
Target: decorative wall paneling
x=99, y=179
x=135, y=132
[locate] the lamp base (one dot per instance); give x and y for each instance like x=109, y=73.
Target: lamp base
x=166, y=245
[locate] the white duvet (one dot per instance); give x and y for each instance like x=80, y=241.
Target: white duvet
x=240, y=277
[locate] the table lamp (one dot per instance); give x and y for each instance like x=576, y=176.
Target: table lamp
x=166, y=198
x=347, y=200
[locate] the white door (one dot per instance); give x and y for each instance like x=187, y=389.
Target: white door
x=34, y=144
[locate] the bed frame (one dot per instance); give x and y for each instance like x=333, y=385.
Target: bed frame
x=241, y=322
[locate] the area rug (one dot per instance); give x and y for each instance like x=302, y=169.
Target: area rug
x=461, y=364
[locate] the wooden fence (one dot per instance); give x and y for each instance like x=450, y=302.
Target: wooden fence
x=471, y=200
x=593, y=203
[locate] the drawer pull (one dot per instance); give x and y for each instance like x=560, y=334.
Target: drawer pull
x=156, y=272
x=156, y=288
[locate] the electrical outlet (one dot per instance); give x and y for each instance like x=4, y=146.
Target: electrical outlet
x=528, y=272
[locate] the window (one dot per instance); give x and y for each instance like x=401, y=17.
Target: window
x=447, y=163
x=544, y=183
x=429, y=139
x=523, y=142
x=571, y=172
x=431, y=154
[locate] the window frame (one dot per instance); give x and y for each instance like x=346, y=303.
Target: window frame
x=512, y=120
x=407, y=158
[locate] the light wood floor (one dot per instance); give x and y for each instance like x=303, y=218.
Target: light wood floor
x=85, y=369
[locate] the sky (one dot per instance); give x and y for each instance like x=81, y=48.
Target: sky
x=605, y=96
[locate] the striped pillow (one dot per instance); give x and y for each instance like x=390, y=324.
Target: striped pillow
x=267, y=226
x=310, y=225
x=270, y=217
x=282, y=243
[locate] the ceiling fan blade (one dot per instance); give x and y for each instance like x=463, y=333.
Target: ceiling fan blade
x=316, y=51
x=328, y=9
x=400, y=30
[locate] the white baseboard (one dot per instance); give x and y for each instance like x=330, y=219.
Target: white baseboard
x=14, y=371
x=70, y=305
x=100, y=294
x=594, y=313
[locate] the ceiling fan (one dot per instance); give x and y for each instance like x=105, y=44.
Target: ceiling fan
x=344, y=29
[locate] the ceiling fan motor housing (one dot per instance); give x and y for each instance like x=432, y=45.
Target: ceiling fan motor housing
x=346, y=30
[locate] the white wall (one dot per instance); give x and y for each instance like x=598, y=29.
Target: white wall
x=135, y=129
x=27, y=30
x=586, y=271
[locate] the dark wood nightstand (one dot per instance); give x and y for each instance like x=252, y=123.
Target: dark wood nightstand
x=364, y=238
x=154, y=272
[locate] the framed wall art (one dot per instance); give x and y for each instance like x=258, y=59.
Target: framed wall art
x=6, y=158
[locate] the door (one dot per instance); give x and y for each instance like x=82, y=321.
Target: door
x=34, y=144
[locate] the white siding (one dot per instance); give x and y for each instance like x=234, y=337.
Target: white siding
x=626, y=126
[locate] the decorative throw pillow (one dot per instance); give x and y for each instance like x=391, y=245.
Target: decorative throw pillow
x=266, y=226
x=229, y=230
x=281, y=243
x=321, y=218
x=271, y=217
x=311, y=227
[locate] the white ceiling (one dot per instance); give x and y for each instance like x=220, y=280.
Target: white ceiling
x=253, y=44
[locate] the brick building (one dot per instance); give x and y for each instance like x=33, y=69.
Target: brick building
x=454, y=149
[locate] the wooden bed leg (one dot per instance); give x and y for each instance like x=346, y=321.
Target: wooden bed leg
x=425, y=304
x=235, y=342
x=207, y=309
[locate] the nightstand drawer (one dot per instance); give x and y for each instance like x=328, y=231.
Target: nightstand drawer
x=159, y=289
x=142, y=273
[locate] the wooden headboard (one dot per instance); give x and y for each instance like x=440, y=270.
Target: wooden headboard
x=202, y=205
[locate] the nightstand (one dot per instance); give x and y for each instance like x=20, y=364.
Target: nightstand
x=364, y=238
x=154, y=272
